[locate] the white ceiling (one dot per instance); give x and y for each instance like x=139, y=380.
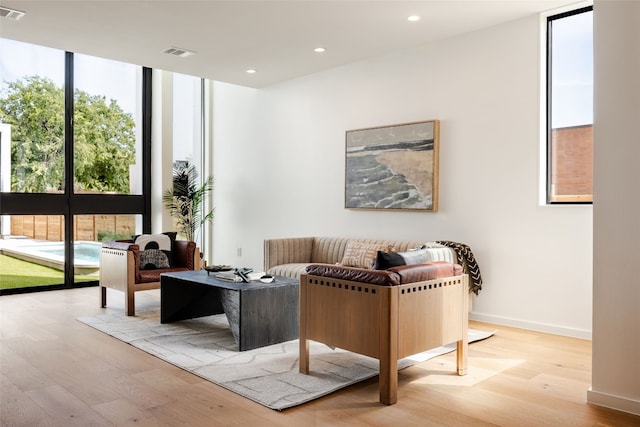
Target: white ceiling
x=276, y=38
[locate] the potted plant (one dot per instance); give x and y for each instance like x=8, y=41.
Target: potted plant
x=185, y=200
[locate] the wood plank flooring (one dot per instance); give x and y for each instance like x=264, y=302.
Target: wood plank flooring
x=56, y=371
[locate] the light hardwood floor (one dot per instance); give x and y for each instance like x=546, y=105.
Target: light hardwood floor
x=56, y=371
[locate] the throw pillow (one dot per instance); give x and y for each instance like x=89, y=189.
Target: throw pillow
x=155, y=243
x=361, y=254
x=386, y=260
x=152, y=259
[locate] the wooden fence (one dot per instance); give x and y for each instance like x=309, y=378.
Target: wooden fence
x=85, y=227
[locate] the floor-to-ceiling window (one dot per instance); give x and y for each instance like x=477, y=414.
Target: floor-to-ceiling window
x=74, y=134
x=107, y=140
x=188, y=130
x=32, y=158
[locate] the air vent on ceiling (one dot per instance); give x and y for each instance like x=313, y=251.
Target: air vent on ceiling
x=12, y=14
x=182, y=53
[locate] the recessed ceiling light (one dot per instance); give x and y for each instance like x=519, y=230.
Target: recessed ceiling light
x=413, y=18
x=319, y=49
x=251, y=71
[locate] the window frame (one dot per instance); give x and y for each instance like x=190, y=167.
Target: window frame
x=70, y=204
x=568, y=200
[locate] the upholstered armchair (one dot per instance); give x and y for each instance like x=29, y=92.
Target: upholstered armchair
x=136, y=265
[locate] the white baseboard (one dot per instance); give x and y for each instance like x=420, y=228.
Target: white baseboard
x=614, y=402
x=532, y=326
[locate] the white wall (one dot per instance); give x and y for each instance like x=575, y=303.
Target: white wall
x=5, y=173
x=287, y=174
x=616, y=287
x=237, y=177
x=162, y=152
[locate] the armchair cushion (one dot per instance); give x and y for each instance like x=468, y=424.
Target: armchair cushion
x=355, y=274
x=400, y=275
x=427, y=271
x=156, y=250
x=152, y=259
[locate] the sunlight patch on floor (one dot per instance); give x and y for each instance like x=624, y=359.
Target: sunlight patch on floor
x=479, y=369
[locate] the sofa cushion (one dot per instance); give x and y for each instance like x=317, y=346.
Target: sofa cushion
x=385, y=260
x=293, y=270
x=362, y=253
x=328, y=250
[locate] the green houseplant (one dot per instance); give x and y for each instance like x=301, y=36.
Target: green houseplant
x=185, y=200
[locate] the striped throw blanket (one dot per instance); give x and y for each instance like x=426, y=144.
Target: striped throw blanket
x=466, y=258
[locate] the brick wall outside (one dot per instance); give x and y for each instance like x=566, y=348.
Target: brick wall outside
x=572, y=164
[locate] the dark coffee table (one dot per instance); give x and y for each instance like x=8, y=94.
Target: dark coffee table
x=259, y=314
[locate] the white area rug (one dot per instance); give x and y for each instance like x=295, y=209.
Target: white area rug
x=267, y=375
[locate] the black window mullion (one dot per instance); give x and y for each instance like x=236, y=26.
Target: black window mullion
x=68, y=169
x=107, y=204
x=146, y=147
x=549, y=107
x=32, y=204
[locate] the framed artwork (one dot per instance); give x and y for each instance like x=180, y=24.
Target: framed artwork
x=393, y=167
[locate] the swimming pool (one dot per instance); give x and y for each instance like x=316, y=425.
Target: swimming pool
x=86, y=255
x=82, y=251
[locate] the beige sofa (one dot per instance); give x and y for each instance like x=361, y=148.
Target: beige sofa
x=290, y=257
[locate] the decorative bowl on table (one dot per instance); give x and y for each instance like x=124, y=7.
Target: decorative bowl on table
x=217, y=268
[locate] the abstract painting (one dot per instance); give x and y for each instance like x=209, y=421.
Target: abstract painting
x=393, y=167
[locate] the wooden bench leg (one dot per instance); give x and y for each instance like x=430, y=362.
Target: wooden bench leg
x=462, y=350
x=303, y=353
x=304, y=356
x=129, y=303
x=388, y=354
x=462, y=346
x=388, y=380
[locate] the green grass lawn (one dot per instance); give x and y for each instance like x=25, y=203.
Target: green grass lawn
x=15, y=273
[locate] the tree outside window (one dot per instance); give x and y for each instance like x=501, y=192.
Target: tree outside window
x=104, y=138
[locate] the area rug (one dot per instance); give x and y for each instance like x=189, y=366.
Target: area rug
x=267, y=375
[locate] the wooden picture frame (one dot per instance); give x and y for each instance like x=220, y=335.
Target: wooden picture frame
x=393, y=167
